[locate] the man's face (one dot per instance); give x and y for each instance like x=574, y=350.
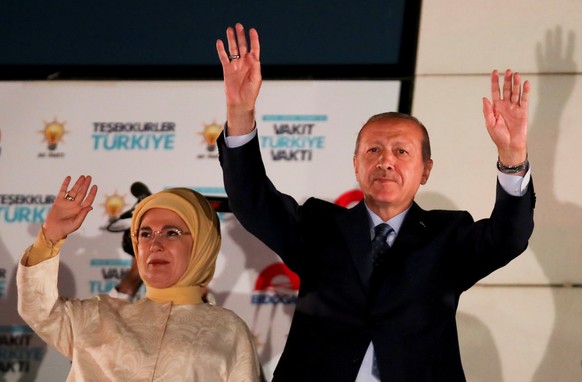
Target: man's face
x=389, y=165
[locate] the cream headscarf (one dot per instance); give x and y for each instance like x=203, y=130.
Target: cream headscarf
x=204, y=225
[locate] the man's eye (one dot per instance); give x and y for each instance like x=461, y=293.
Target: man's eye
x=402, y=151
x=373, y=150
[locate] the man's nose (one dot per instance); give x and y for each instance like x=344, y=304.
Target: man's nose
x=386, y=161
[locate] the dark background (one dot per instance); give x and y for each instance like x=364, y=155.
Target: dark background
x=175, y=39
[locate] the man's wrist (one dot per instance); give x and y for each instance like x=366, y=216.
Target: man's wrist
x=233, y=142
x=240, y=122
x=517, y=169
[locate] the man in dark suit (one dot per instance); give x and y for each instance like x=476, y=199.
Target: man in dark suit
x=380, y=309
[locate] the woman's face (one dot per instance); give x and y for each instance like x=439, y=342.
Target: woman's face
x=164, y=246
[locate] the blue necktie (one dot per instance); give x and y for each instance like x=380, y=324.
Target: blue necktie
x=380, y=243
x=379, y=249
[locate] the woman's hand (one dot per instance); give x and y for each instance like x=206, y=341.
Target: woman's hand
x=69, y=209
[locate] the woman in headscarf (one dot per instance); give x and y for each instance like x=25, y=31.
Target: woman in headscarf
x=170, y=335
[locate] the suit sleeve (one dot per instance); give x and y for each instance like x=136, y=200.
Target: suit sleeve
x=273, y=217
x=492, y=243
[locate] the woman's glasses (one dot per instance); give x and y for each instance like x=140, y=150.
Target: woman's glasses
x=147, y=235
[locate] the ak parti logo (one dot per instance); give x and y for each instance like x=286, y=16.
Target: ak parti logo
x=211, y=133
x=53, y=133
x=114, y=204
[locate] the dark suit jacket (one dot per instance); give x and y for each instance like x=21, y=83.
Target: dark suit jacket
x=407, y=308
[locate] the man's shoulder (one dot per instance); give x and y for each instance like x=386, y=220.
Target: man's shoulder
x=325, y=206
x=439, y=215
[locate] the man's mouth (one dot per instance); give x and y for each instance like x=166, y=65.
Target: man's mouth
x=383, y=179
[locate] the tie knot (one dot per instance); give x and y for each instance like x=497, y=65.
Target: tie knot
x=382, y=230
x=380, y=245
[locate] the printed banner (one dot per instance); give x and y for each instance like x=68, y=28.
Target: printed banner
x=140, y=137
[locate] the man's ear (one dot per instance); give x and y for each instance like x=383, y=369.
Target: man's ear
x=354, y=161
x=426, y=171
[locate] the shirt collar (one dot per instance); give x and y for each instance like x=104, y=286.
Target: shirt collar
x=395, y=222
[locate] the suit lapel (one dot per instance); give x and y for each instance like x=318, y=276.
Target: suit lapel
x=412, y=235
x=354, y=224
x=413, y=232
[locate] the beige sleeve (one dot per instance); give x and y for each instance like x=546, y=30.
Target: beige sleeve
x=41, y=250
x=246, y=366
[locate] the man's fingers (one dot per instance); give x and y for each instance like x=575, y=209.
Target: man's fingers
x=495, y=92
x=488, y=113
x=222, y=55
x=525, y=95
x=516, y=89
x=242, y=40
x=255, y=45
x=238, y=46
x=507, y=85
x=231, y=39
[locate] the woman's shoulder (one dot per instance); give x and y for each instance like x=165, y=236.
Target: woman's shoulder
x=219, y=311
x=223, y=317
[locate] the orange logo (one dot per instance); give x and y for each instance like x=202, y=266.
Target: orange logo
x=211, y=133
x=114, y=204
x=53, y=133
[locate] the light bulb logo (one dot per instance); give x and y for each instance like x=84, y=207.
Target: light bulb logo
x=114, y=204
x=211, y=133
x=53, y=133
